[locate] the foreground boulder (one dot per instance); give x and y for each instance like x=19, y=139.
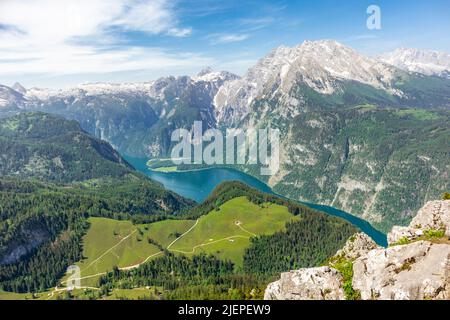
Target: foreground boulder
x=433, y=216
x=358, y=245
x=417, y=271
x=416, y=266
x=322, y=283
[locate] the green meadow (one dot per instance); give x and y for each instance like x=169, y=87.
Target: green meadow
x=224, y=232
x=110, y=243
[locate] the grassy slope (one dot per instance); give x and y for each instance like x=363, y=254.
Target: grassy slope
x=14, y=296
x=105, y=247
x=218, y=226
x=116, y=294
x=210, y=229
x=103, y=235
x=165, y=232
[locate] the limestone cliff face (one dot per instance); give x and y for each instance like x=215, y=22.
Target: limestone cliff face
x=415, y=266
x=417, y=271
x=322, y=283
x=435, y=215
x=358, y=245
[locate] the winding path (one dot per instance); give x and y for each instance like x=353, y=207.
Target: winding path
x=109, y=250
x=190, y=229
x=208, y=243
x=237, y=223
x=124, y=268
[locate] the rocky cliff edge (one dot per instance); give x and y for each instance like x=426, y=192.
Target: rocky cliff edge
x=415, y=266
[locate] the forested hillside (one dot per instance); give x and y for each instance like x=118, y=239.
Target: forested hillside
x=53, y=176
x=51, y=148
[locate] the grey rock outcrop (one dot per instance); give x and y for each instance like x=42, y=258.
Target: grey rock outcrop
x=416, y=270
x=30, y=239
x=398, y=233
x=322, y=283
x=358, y=245
x=435, y=215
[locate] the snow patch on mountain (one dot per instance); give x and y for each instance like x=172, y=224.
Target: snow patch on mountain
x=209, y=75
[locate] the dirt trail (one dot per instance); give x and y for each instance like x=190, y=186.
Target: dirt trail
x=208, y=243
x=109, y=250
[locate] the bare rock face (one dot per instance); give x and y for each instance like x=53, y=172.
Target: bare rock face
x=358, y=245
x=399, y=233
x=435, y=215
x=417, y=271
x=30, y=239
x=322, y=283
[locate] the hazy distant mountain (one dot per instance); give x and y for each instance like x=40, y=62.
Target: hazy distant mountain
x=53, y=175
x=19, y=88
x=51, y=149
x=10, y=98
x=423, y=61
x=129, y=115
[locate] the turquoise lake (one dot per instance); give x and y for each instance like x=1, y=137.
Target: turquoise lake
x=198, y=184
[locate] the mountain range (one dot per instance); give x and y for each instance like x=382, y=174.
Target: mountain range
x=365, y=134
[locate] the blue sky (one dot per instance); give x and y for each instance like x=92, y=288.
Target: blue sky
x=55, y=43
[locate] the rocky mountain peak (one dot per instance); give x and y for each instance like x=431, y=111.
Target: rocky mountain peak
x=357, y=246
x=320, y=65
x=322, y=283
x=19, y=88
x=215, y=77
x=205, y=71
x=10, y=97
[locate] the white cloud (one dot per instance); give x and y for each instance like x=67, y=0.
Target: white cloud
x=153, y=16
x=227, y=38
x=54, y=37
x=176, y=32
x=62, y=20
x=253, y=24
x=87, y=60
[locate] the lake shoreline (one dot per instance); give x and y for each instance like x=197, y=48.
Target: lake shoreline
x=197, y=184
